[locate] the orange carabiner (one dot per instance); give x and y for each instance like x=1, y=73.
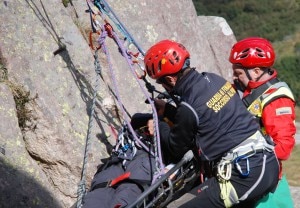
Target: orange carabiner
x=91, y=39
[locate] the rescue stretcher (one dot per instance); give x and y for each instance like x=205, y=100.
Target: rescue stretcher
x=172, y=185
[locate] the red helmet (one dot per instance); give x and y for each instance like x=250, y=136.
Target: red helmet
x=253, y=52
x=164, y=58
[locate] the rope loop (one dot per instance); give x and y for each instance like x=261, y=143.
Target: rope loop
x=224, y=170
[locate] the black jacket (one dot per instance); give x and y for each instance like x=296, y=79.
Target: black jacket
x=209, y=115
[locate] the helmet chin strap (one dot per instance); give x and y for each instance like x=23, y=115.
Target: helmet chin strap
x=170, y=91
x=258, y=78
x=247, y=73
x=269, y=71
x=165, y=82
x=180, y=74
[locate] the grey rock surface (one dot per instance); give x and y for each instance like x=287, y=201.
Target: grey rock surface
x=48, y=81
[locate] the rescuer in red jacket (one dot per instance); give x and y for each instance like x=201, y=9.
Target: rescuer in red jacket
x=266, y=97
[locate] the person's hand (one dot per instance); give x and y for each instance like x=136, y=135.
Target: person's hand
x=150, y=125
x=160, y=106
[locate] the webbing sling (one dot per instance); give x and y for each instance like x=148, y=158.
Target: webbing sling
x=255, y=93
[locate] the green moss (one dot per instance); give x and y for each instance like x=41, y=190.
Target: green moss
x=65, y=2
x=21, y=97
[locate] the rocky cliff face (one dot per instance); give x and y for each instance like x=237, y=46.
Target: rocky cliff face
x=46, y=99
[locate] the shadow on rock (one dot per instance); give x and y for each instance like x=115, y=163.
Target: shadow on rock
x=18, y=190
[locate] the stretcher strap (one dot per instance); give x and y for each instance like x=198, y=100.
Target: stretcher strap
x=120, y=178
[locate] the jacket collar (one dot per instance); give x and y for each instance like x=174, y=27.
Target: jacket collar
x=184, y=83
x=252, y=84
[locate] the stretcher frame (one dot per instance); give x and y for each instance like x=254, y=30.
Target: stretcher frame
x=165, y=189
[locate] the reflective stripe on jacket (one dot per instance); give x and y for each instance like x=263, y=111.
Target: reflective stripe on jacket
x=276, y=110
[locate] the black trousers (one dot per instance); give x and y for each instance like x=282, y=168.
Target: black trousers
x=108, y=197
x=207, y=195
x=141, y=169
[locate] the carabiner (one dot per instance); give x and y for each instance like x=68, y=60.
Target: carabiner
x=136, y=61
x=238, y=167
x=91, y=40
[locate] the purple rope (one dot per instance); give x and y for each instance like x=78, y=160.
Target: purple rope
x=101, y=41
x=155, y=117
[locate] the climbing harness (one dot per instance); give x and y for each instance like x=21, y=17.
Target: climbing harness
x=254, y=144
x=125, y=147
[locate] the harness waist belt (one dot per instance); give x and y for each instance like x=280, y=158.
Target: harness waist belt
x=254, y=144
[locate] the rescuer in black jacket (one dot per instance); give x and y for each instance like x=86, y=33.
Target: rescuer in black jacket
x=210, y=115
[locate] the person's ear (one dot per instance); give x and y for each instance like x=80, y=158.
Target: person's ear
x=168, y=79
x=257, y=71
x=171, y=80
